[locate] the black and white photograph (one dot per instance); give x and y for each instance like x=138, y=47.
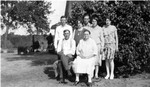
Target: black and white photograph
x=75, y=43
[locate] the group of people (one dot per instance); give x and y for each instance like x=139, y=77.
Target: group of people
x=84, y=48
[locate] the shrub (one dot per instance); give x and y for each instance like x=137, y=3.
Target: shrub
x=132, y=20
x=21, y=40
x=9, y=44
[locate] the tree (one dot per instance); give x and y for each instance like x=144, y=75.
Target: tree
x=132, y=20
x=15, y=13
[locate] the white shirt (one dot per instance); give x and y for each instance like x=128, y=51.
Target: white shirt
x=59, y=33
x=87, y=26
x=67, y=46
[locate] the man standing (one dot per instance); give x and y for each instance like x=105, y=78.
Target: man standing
x=59, y=31
x=86, y=23
x=66, y=50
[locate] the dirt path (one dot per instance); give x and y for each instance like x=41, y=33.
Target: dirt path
x=29, y=71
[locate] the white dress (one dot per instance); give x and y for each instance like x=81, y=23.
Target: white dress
x=85, y=65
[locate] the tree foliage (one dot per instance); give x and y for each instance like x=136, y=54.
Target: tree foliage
x=26, y=12
x=132, y=20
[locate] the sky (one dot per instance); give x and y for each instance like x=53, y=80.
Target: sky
x=58, y=6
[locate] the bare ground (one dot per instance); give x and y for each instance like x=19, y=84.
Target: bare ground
x=31, y=71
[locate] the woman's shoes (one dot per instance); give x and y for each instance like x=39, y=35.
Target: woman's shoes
x=112, y=77
x=76, y=83
x=107, y=77
x=96, y=77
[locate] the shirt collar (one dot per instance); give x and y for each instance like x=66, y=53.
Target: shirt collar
x=87, y=25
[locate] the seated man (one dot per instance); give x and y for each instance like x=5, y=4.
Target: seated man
x=66, y=50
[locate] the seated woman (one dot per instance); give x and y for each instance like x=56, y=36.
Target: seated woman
x=85, y=61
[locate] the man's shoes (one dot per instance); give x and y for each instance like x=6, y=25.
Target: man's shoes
x=76, y=83
x=62, y=81
x=57, y=78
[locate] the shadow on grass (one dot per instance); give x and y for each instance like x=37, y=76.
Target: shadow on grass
x=49, y=72
x=36, y=59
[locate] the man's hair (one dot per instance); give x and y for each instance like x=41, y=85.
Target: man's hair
x=108, y=17
x=66, y=30
x=63, y=17
x=86, y=15
x=87, y=31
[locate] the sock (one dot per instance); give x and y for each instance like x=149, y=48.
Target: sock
x=89, y=79
x=77, y=77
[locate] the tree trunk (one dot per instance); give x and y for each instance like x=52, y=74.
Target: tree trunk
x=68, y=8
x=37, y=31
x=33, y=42
x=5, y=37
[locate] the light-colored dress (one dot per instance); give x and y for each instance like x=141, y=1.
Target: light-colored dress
x=97, y=35
x=85, y=65
x=110, y=42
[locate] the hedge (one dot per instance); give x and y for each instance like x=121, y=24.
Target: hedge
x=16, y=41
x=132, y=20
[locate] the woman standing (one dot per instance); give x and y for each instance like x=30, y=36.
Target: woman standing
x=97, y=35
x=78, y=33
x=85, y=61
x=110, y=47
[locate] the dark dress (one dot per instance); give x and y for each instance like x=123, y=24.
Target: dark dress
x=78, y=35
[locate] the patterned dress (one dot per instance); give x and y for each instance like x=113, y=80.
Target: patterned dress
x=110, y=42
